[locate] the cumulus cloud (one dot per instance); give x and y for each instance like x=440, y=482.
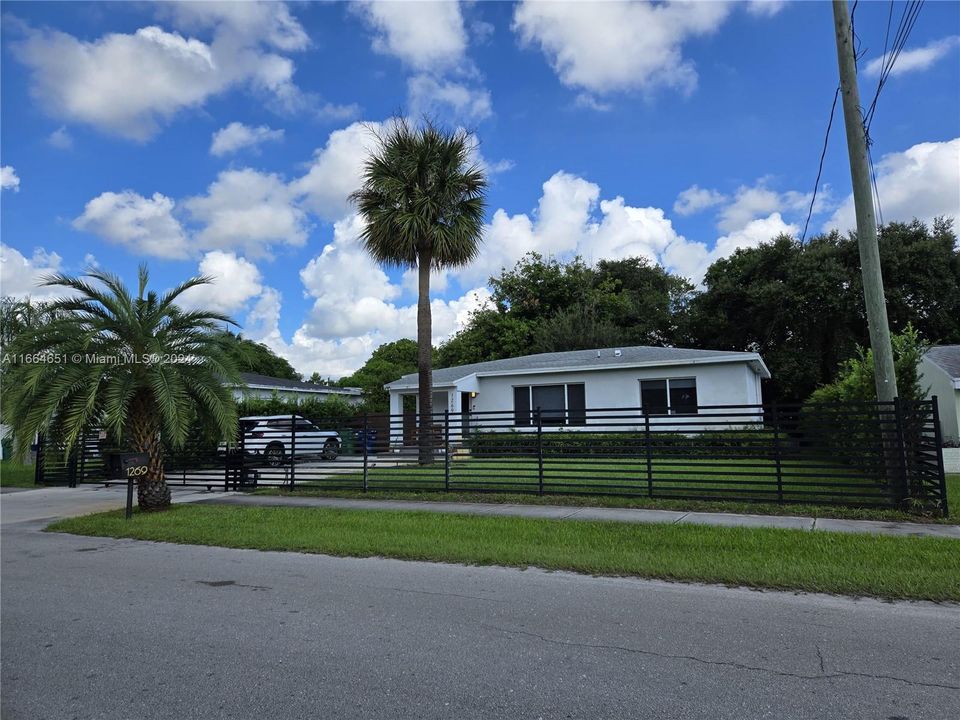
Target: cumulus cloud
x=249, y=210
x=146, y=226
x=695, y=199
x=355, y=309
x=612, y=46
x=20, y=276
x=132, y=84
x=428, y=95
x=920, y=182
x=9, y=179
x=914, y=60
x=234, y=282
x=237, y=136
x=765, y=8
x=424, y=35
x=336, y=169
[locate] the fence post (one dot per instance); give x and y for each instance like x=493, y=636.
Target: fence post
x=938, y=441
x=363, y=439
x=648, y=450
x=293, y=449
x=446, y=450
x=243, y=456
x=83, y=456
x=38, y=466
x=776, y=450
x=903, y=489
x=539, y=452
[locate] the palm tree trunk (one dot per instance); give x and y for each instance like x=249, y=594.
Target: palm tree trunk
x=425, y=363
x=152, y=491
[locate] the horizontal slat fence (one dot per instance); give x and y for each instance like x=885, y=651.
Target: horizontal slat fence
x=858, y=454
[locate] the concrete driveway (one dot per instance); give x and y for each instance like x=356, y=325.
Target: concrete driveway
x=99, y=628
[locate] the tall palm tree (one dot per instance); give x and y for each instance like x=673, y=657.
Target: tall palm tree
x=423, y=197
x=139, y=367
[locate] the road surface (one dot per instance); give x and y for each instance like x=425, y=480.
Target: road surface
x=120, y=629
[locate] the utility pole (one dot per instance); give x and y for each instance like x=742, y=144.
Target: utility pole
x=884, y=375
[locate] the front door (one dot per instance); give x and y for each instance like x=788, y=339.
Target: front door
x=465, y=412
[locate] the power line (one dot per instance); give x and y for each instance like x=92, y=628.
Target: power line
x=823, y=154
x=908, y=18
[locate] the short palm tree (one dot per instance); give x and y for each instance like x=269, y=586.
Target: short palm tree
x=139, y=367
x=423, y=197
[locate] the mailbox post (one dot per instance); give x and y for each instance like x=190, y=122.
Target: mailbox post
x=130, y=467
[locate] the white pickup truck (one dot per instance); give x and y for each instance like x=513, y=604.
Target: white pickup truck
x=271, y=437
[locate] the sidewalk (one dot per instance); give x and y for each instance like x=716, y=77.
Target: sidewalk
x=630, y=515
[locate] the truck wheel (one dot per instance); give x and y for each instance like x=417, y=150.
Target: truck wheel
x=331, y=448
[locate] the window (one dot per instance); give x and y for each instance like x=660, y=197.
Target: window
x=676, y=396
x=558, y=404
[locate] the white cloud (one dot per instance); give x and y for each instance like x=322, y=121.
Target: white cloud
x=424, y=35
x=332, y=111
x=588, y=101
x=914, y=60
x=755, y=232
x=428, y=95
x=921, y=182
x=9, y=179
x=759, y=200
x=336, y=170
x=60, y=139
x=21, y=276
x=237, y=136
x=234, y=282
x=354, y=310
x=611, y=46
x=765, y=8
x=145, y=226
x=248, y=210
x=249, y=22
x=131, y=84
x=695, y=198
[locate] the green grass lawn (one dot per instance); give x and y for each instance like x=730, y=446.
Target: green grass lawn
x=887, y=567
x=15, y=475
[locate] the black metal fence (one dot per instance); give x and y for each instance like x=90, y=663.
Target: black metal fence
x=860, y=454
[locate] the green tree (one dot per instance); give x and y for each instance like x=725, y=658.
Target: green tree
x=254, y=357
x=855, y=382
x=423, y=201
x=388, y=362
x=138, y=366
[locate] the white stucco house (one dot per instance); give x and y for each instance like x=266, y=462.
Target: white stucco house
x=940, y=376
x=665, y=381
x=264, y=386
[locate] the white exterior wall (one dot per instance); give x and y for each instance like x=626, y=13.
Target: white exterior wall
x=733, y=383
x=936, y=382
x=294, y=395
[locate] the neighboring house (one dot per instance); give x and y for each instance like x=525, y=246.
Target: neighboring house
x=664, y=381
x=264, y=386
x=940, y=376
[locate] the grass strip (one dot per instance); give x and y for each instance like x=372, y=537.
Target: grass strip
x=15, y=475
x=685, y=505
x=860, y=565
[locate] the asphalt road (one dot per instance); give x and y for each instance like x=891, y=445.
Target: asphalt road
x=119, y=629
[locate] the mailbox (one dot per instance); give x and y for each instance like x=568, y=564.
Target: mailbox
x=127, y=465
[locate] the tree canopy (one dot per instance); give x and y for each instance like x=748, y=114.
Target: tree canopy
x=799, y=305
x=254, y=357
x=388, y=362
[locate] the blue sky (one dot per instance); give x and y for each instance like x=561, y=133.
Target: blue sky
x=225, y=137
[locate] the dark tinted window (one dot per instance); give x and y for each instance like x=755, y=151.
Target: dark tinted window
x=550, y=400
x=683, y=397
x=653, y=396
x=576, y=404
x=521, y=405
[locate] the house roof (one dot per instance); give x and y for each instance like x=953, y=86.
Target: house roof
x=265, y=382
x=606, y=358
x=947, y=358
